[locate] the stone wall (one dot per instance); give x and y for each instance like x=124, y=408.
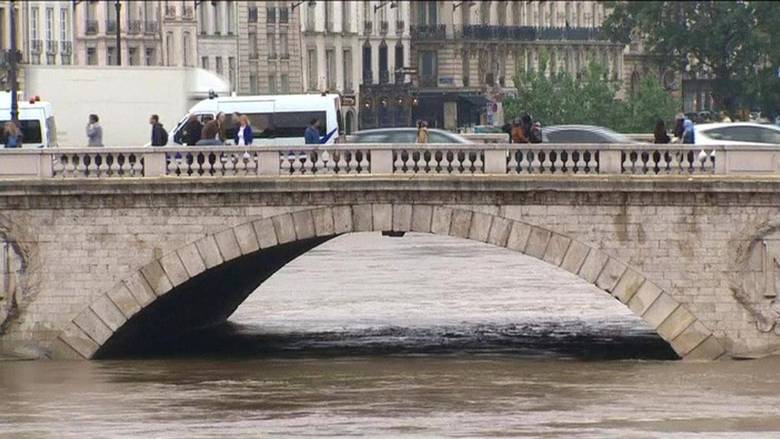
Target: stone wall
x=684, y=237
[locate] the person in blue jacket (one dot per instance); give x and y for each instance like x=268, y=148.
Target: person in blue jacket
x=312, y=133
x=244, y=134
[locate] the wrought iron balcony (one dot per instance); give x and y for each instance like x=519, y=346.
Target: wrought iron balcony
x=36, y=46
x=368, y=27
x=51, y=47
x=399, y=27
x=428, y=32
x=188, y=12
x=134, y=27
x=170, y=11
x=150, y=27
x=383, y=27
x=66, y=47
x=91, y=27
x=284, y=15
x=529, y=33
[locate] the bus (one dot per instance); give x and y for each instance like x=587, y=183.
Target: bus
x=275, y=119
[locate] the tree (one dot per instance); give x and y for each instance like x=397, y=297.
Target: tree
x=722, y=40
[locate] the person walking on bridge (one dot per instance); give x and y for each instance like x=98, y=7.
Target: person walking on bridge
x=94, y=131
x=159, y=135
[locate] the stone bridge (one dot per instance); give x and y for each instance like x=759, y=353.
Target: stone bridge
x=101, y=264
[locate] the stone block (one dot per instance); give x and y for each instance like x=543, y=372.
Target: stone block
x=593, y=265
x=690, y=338
x=480, y=226
x=108, y=312
x=304, y=224
x=362, y=218
x=207, y=247
x=628, y=285
x=154, y=274
x=140, y=289
x=63, y=351
x=191, y=259
x=660, y=310
x=610, y=275
x=644, y=297
x=575, y=257
x=323, y=222
x=708, y=350
x=383, y=217
x=266, y=233
x=421, y=218
x=556, y=249
x=441, y=220
x=174, y=269
x=518, y=236
x=342, y=219
x=499, y=231
x=247, y=239
x=461, y=223
x=285, y=228
x=77, y=339
x=228, y=244
x=537, y=242
x=402, y=217
x=675, y=324
x=124, y=300
x=91, y=324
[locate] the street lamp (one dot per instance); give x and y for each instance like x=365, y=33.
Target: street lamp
x=14, y=58
x=296, y=4
x=468, y=4
x=393, y=5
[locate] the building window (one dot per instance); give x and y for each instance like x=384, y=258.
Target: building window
x=186, y=49
x=285, y=79
x=217, y=18
x=218, y=62
x=134, y=58
x=399, y=60
x=284, y=49
x=2, y=28
x=284, y=15
x=310, y=16
x=204, y=62
x=49, y=24
x=311, y=74
x=111, y=55
x=466, y=69
x=203, y=19
x=252, y=45
x=253, y=83
x=169, y=49
x=429, y=68
x=149, y=57
x=91, y=56
x=330, y=66
x=230, y=6
x=329, y=16
x=64, y=25
x=271, y=38
x=346, y=16
x=272, y=84
x=232, y=71
x=347, y=88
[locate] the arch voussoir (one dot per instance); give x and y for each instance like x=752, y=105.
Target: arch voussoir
x=303, y=223
x=324, y=224
x=479, y=229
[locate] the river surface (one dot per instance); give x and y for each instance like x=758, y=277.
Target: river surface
x=420, y=336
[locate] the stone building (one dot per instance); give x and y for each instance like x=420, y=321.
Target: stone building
x=94, y=29
x=466, y=53
x=218, y=39
x=358, y=48
x=179, y=34
x=46, y=29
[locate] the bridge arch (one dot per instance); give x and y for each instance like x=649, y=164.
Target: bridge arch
x=232, y=263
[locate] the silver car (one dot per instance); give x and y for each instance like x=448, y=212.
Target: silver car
x=404, y=135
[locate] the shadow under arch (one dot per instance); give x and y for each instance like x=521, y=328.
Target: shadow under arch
x=203, y=282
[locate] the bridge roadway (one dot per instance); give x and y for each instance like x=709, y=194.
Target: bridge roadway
x=105, y=251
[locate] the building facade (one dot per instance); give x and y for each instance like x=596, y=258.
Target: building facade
x=467, y=53
x=95, y=26
x=218, y=40
x=179, y=31
x=47, y=31
x=359, y=49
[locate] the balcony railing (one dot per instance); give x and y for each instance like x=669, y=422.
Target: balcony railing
x=253, y=14
x=111, y=27
x=36, y=46
x=51, y=47
x=529, y=33
x=284, y=56
x=368, y=27
x=66, y=47
x=271, y=56
x=91, y=27
x=368, y=77
x=429, y=32
x=383, y=27
x=134, y=27
x=150, y=27
x=384, y=76
x=399, y=27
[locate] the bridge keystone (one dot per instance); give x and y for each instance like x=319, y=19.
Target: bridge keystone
x=402, y=217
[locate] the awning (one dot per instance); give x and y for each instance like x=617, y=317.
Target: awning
x=475, y=100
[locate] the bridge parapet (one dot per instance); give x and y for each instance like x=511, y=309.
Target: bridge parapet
x=390, y=159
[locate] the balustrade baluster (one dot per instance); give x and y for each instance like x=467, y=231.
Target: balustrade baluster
x=558, y=163
x=479, y=163
x=533, y=168
x=570, y=164
x=511, y=166
x=546, y=162
x=592, y=162
x=365, y=164
x=455, y=163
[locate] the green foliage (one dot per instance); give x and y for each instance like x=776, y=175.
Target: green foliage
x=590, y=100
x=727, y=41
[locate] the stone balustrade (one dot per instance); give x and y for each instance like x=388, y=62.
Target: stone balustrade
x=387, y=159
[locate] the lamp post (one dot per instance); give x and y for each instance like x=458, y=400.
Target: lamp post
x=12, y=65
x=118, y=7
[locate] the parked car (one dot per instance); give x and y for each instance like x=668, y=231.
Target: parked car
x=582, y=134
x=736, y=133
x=404, y=135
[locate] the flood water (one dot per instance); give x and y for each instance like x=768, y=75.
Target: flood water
x=419, y=336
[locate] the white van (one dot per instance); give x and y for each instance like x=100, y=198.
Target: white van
x=275, y=119
x=36, y=119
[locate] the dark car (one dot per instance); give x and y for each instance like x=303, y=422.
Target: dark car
x=404, y=135
x=582, y=134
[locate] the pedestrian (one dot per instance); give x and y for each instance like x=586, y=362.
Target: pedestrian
x=159, y=135
x=507, y=129
x=422, y=131
x=526, y=124
x=536, y=132
x=12, y=135
x=94, y=131
x=678, y=128
x=312, y=133
x=724, y=117
x=210, y=134
x=222, y=127
x=244, y=135
x=191, y=131
x=688, y=135
x=518, y=133
x=659, y=133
